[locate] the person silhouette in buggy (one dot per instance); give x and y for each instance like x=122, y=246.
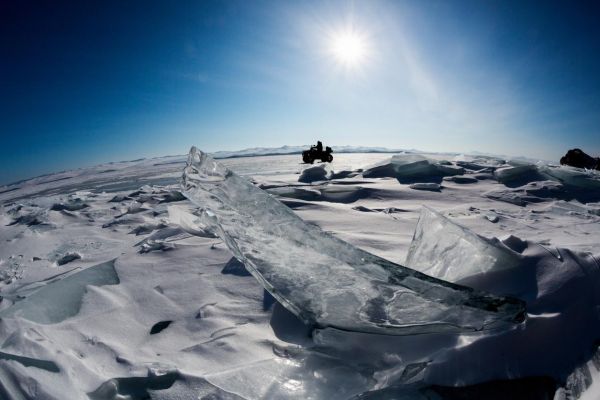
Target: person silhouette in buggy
x=317, y=153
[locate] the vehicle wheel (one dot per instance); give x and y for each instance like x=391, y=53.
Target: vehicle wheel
x=329, y=158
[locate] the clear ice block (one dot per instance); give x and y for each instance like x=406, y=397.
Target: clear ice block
x=448, y=251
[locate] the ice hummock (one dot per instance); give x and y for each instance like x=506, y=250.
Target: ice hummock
x=412, y=168
x=572, y=176
x=448, y=251
x=325, y=281
x=316, y=173
x=517, y=174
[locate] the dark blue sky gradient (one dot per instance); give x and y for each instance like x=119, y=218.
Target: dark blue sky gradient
x=89, y=82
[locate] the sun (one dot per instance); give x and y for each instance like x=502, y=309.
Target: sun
x=349, y=48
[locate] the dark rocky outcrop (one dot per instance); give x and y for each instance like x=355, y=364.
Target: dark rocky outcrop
x=577, y=158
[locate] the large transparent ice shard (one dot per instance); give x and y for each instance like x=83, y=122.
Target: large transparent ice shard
x=448, y=251
x=325, y=281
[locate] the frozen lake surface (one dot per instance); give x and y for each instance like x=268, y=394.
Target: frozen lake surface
x=110, y=287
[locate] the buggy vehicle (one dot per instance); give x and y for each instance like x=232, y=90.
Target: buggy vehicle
x=316, y=153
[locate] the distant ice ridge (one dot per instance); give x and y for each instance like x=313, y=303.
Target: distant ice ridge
x=325, y=281
x=517, y=173
x=409, y=167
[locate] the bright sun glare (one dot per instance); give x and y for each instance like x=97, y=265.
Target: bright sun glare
x=349, y=48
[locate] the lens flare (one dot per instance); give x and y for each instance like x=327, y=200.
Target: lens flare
x=349, y=48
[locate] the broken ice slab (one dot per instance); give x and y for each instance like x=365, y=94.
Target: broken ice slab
x=520, y=174
x=517, y=175
x=317, y=173
x=62, y=299
x=448, y=251
x=325, y=281
x=571, y=176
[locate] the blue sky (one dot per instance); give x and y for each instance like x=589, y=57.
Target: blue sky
x=88, y=82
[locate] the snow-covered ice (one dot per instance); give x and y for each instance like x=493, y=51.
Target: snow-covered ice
x=113, y=287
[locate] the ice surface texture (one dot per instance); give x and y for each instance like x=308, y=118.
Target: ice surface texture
x=448, y=251
x=325, y=281
x=61, y=299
